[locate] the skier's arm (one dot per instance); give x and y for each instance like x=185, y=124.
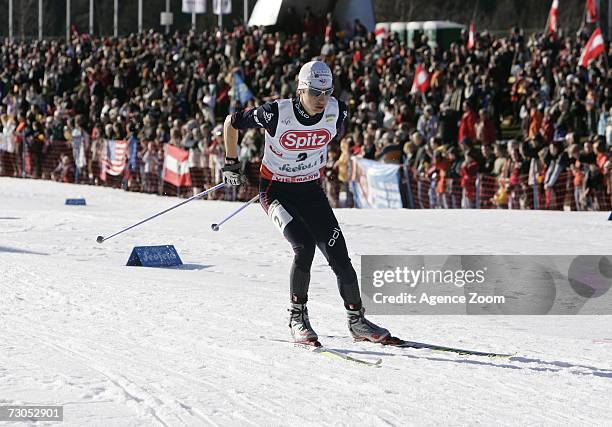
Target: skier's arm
x=342, y=122
x=265, y=116
x=230, y=137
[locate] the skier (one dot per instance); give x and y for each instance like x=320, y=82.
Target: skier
x=297, y=132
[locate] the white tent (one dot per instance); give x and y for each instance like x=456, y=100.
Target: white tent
x=267, y=12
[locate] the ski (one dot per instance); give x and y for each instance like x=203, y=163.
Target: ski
x=400, y=343
x=318, y=348
x=335, y=354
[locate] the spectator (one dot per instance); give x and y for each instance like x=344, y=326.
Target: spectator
x=64, y=172
x=150, y=162
x=593, y=187
x=161, y=82
x=485, y=128
x=467, y=126
x=447, y=127
x=556, y=162
x=469, y=172
x=427, y=124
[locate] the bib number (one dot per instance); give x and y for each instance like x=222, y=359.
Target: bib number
x=279, y=216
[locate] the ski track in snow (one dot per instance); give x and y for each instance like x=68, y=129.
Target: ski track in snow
x=132, y=346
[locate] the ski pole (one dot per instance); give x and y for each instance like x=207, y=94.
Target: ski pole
x=101, y=239
x=215, y=227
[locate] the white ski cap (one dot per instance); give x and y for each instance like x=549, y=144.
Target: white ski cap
x=315, y=74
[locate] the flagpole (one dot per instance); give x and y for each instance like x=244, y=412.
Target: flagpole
x=91, y=17
x=67, y=21
x=167, y=11
x=116, y=18
x=40, y=19
x=609, y=20
x=10, y=21
x=140, y=16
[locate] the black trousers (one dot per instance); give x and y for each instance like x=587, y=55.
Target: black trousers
x=302, y=212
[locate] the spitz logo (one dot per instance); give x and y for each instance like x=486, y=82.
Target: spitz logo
x=305, y=139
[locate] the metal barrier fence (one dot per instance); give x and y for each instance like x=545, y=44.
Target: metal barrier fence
x=55, y=160
x=490, y=192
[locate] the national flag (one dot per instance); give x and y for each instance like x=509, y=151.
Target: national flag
x=553, y=24
x=471, y=37
x=241, y=90
x=380, y=33
x=194, y=6
x=222, y=7
x=594, y=47
x=421, y=79
x=592, y=14
x=113, y=158
x=176, y=166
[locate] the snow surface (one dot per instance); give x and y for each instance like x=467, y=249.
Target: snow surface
x=121, y=345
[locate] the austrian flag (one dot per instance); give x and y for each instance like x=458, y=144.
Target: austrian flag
x=593, y=48
x=592, y=14
x=471, y=38
x=553, y=24
x=421, y=79
x=176, y=166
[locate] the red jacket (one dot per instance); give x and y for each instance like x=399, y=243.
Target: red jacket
x=467, y=126
x=469, y=172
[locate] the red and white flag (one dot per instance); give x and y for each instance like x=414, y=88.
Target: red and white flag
x=553, y=24
x=592, y=14
x=380, y=33
x=471, y=37
x=176, y=166
x=421, y=79
x=594, y=47
x=114, y=158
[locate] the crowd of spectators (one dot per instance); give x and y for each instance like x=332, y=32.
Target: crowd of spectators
x=513, y=122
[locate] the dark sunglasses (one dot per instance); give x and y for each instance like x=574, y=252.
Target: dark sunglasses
x=318, y=92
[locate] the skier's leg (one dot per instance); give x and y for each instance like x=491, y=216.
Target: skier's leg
x=323, y=225
x=286, y=218
x=303, y=247
x=289, y=222
x=322, y=222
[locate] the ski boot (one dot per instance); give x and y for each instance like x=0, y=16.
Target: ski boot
x=301, y=331
x=364, y=330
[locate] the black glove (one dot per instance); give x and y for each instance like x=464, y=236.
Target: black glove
x=232, y=172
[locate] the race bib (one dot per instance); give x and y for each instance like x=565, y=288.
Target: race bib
x=279, y=216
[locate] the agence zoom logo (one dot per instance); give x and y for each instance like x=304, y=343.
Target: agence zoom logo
x=305, y=139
